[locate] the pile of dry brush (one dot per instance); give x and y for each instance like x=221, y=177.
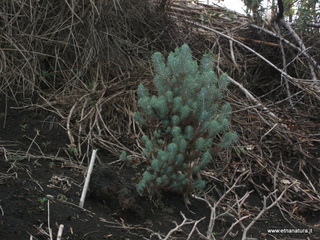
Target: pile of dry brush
x=83, y=60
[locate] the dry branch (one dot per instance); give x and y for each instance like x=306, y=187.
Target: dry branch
x=312, y=88
x=287, y=42
x=303, y=48
x=264, y=210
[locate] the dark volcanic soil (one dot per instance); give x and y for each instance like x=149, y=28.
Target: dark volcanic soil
x=40, y=188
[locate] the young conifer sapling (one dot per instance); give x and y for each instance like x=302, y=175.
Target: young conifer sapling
x=185, y=118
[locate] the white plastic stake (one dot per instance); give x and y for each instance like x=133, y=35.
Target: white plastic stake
x=49, y=228
x=60, y=231
x=86, y=184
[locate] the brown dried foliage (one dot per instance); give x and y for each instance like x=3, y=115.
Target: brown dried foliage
x=83, y=61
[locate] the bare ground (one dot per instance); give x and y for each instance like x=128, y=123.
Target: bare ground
x=40, y=188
